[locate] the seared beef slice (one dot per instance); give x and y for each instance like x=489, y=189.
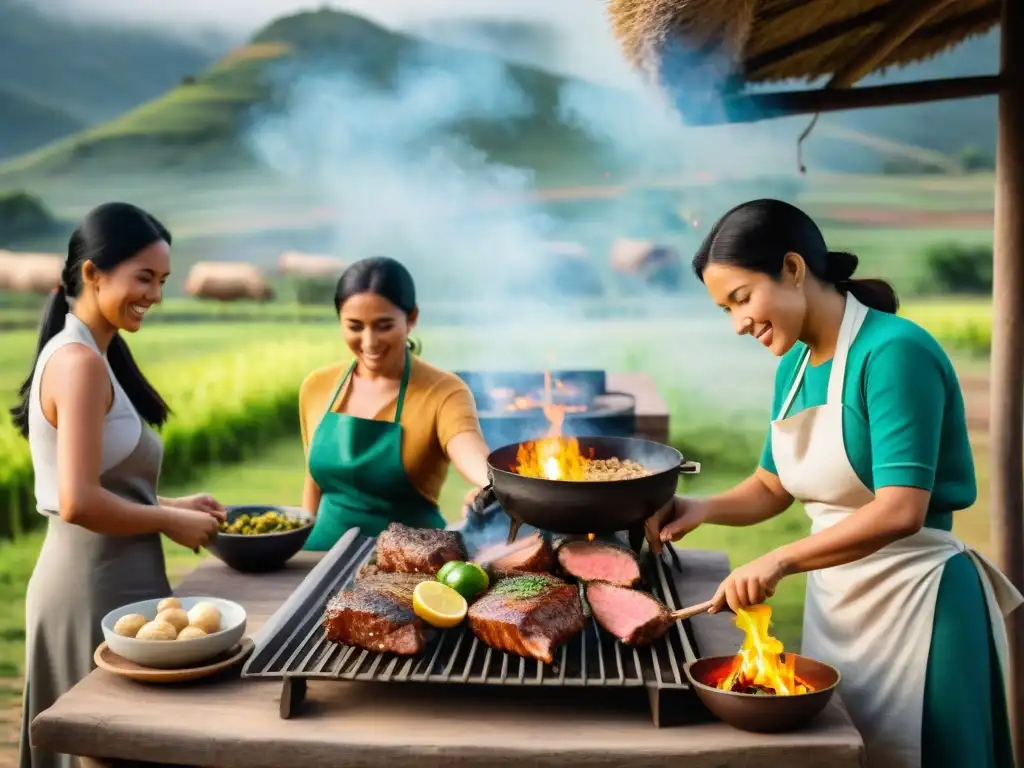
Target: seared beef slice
x=401, y=549
x=634, y=617
x=376, y=614
x=529, y=615
x=599, y=561
x=537, y=559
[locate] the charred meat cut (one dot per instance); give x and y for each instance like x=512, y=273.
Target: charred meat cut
x=401, y=549
x=599, y=561
x=376, y=613
x=528, y=614
x=537, y=559
x=634, y=617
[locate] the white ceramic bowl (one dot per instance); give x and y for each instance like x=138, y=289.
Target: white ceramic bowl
x=176, y=654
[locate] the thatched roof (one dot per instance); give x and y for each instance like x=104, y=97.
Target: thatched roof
x=770, y=40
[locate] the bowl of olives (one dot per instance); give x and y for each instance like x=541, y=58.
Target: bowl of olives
x=261, y=538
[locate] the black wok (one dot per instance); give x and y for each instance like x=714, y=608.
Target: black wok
x=600, y=506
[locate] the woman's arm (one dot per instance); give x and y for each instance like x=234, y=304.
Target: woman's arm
x=468, y=452
x=77, y=385
x=894, y=514
x=758, y=498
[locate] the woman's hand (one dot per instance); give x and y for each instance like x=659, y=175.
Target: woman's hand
x=750, y=584
x=200, y=502
x=190, y=528
x=467, y=502
x=673, y=521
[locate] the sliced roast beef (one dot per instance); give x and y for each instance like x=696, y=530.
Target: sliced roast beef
x=634, y=617
x=401, y=549
x=537, y=559
x=599, y=561
x=376, y=613
x=529, y=615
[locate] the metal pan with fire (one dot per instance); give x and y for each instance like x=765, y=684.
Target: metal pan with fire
x=583, y=485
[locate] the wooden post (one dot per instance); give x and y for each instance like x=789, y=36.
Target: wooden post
x=1007, y=405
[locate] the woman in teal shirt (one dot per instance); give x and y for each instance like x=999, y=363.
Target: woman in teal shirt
x=869, y=433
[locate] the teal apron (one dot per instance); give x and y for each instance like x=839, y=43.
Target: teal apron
x=357, y=463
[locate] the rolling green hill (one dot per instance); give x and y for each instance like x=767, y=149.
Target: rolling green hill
x=58, y=75
x=197, y=125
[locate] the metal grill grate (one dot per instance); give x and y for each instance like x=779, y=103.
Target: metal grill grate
x=292, y=645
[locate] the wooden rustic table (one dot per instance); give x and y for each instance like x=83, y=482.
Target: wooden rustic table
x=235, y=723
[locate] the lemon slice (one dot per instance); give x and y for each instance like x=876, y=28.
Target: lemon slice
x=438, y=605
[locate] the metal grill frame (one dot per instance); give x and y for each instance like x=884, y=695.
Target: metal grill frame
x=292, y=645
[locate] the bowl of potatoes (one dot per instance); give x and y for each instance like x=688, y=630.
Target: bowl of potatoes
x=174, y=633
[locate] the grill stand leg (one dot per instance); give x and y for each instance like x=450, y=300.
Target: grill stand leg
x=654, y=698
x=293, y=693
x=513, y=529
x=636, y=538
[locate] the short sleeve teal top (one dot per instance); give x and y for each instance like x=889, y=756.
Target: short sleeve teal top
x=904, y=422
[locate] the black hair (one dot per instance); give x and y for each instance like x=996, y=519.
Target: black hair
x=106, y=237
x=757, y=236
x=383, y=276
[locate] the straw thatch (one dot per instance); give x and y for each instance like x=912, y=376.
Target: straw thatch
x=771, y=40
x=310, y=265
x=30, y=272
x=227, y=281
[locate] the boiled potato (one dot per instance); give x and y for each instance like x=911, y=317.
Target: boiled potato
x=129, y=625
x=191, y=633
x=168, y=602
x=206, y=616
x=157, y=630
x=176, y=617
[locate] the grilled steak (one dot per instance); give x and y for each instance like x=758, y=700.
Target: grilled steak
x=401, y=549
x=599, y=561
x=376, y=613
x=536, y=559
x=529, y=615
x=634, y=617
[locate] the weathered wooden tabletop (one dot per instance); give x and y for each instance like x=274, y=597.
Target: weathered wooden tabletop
x=233, y=723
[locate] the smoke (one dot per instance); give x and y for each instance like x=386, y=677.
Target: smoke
x=406, y=183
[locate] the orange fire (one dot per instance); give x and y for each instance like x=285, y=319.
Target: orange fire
x=761, y=665
x=553, y=457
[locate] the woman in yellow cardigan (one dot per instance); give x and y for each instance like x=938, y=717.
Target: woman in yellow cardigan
x=379, y=432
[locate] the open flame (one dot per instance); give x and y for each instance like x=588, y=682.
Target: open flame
x=506, y=398
x=553, y=457
x=761, y=666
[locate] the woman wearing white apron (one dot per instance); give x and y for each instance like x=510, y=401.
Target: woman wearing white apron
x=869, y=433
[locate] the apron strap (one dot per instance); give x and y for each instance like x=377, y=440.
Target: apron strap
x=796, y=385
x=337, y=391
x=403, y=387
x=853, y=318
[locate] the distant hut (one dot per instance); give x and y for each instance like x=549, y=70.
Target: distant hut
x=309, y=265
x=658, y=266
x=227, y=281
x=37, y=273
x=569, y=270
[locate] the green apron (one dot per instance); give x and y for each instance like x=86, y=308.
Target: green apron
x=357, y=464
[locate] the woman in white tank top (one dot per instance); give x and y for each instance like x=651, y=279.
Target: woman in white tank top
x=87, y=412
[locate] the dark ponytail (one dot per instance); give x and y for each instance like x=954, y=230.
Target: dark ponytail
x=758, y=235
x=108, y=236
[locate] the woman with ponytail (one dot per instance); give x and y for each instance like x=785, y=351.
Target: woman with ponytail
x=88, y=413
x=869, y=434
x=380, y=432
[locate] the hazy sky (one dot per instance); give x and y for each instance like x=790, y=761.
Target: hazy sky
x=588, y=45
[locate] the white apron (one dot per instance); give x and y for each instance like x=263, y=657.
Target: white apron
x=872, y=619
